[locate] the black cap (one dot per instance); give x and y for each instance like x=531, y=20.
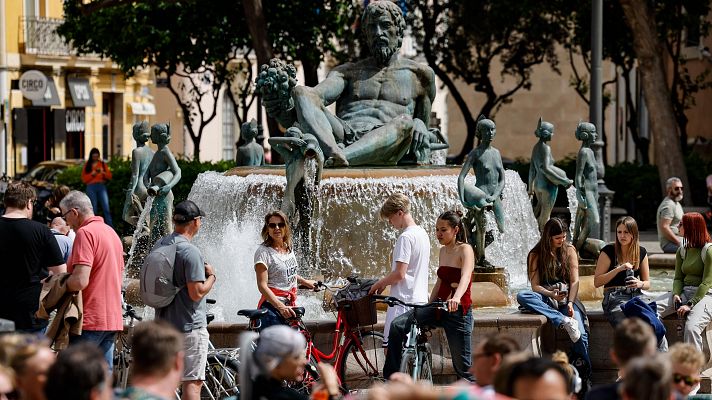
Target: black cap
x=186, y=211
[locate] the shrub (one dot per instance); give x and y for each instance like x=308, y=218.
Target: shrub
x=121, y=172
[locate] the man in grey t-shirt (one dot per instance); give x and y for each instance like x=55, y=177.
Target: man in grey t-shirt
x=196, y=278
x=669, y=216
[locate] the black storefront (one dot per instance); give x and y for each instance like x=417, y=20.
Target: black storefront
x=41, y=129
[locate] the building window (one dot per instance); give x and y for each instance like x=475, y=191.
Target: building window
x=228, y=129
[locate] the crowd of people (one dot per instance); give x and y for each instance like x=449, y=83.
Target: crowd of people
x=81, y=279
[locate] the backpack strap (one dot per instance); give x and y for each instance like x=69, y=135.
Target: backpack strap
x=703, y=252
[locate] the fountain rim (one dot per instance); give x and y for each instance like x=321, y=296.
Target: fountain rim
x=409, y=171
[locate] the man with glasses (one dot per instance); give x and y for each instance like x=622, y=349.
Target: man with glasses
x=187, y=311
x=669, y=216
x=30, y=253
x=96, y=264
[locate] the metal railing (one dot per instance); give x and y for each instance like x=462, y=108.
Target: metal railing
x=41, y=37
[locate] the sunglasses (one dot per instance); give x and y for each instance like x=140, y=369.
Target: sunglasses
x=272, y=225
x=689, y=381
x=64, y=216
x=679, y=188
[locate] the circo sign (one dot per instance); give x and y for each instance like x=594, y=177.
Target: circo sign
x=33, y=84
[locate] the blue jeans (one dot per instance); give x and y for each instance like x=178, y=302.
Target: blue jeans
x=100, y=197
x=670, y=248
x=105, y=340
x=537, y=303
x=458, y=330
x=273, y=317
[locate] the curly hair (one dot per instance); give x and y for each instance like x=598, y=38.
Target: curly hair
x=384, y=7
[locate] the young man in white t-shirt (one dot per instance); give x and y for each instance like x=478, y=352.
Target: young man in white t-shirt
x=411, y=258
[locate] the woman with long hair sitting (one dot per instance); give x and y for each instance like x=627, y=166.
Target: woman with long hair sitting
x=552, y=267
x=691, y=295
x=622, y=269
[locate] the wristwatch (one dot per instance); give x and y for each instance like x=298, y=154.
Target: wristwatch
x=689, y=304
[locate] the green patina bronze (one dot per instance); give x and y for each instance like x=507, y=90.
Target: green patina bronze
x=383, y=102
x=141, y=156
x=586, y=181
x=163, y=173
x=544, y=176
x=296, y=147
x=251, y=153
x=486, y=193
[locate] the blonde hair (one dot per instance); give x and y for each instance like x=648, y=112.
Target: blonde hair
x=686, y=354
x=633, y=254
x=394, y=203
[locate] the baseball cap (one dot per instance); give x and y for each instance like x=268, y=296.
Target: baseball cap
x=186, y=211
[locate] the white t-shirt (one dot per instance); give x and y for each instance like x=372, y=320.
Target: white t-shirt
x=281, y=268
x=413, y=248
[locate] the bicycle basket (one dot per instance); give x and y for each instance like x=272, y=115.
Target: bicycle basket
x=359, y=312
x=356, y=304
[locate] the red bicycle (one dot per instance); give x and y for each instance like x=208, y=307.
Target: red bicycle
x=358, y=352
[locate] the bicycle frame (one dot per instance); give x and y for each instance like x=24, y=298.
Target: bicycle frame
x=343, y=335
x=412, y=346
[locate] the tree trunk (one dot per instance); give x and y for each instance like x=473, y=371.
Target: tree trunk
x=311, y=77
x=668, y=155
x=262, y=45
x=258, y=30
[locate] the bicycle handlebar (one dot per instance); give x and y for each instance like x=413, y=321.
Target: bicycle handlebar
x=131, y=313
x=392, y=301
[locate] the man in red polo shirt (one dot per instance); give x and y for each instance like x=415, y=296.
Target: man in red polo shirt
x=96, y=264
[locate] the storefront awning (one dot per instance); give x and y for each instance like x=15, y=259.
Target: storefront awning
x=143, y=108
x=80, y=90
x=51, y=98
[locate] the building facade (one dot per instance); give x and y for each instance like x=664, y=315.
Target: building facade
x=87, y=101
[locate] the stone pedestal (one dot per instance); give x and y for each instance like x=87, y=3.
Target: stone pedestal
x=587, y=267
x=498, y=277
x=490, y=289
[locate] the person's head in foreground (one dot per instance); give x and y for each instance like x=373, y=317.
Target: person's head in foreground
x=278, y=353
x=157, y=357
x=534, y=378
x=632, y=338
x=488, y=356
x=31, y=359
x=686, y=362
x=649, y=378
x=80, y=373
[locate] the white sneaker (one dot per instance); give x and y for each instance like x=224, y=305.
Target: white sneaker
x=571, y=327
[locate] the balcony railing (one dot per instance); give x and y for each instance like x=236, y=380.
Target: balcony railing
x=41, y=37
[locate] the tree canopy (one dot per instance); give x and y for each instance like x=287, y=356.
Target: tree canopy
x=479, y=42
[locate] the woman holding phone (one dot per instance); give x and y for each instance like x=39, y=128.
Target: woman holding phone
x=553, y=272
x=622, y=269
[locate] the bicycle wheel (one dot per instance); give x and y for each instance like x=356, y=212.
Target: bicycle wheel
x=122, y=363
x=221, y=378
x=409, y=365
x=363, y=361
x=426, y=366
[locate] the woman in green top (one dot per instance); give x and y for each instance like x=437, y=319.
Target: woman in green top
x=691, y=294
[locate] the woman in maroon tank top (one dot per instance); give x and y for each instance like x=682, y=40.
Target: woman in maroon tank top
x=457, y=261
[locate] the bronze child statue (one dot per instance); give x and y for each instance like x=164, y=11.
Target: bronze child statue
x=250, y=153
x=544, y=176
x=487, y=191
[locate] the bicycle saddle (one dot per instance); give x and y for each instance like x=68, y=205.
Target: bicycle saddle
x=253, y=314
x=299, y=311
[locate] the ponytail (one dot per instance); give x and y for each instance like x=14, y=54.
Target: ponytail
x=454, y=219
